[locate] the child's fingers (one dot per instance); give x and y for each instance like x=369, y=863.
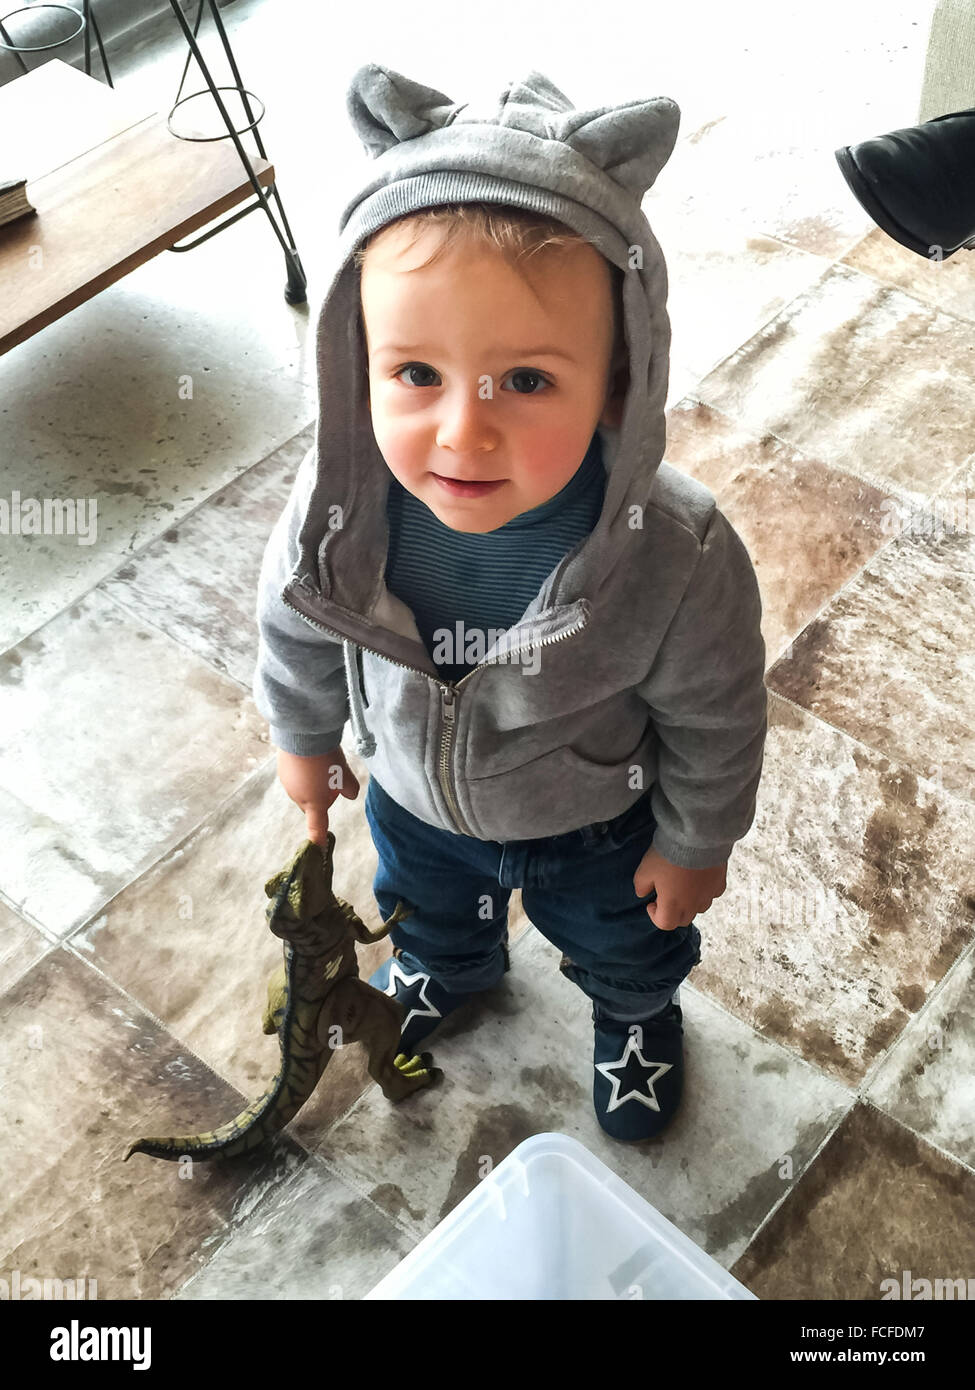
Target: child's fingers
x=664, y=926
x=316, y=826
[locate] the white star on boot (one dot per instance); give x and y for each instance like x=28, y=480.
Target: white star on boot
x=396, y=972
x=632, y=1048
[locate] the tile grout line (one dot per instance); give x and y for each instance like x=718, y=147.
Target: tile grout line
x=164, y=854
x=186, y=1050
x=914, y=1023
x=837, y=262
x=205, y=660
x=340, y=1174
x=854, y=1093
x=139, y=1006
x=139, y=554
x=875, y=752
x=334, y=1174
x=46, y=933
x=952, y=1158
x=923, y=1139
x=21, y=975
x=860, y=1094
x=789, y=1053
x=231, y=1228
x=962, y=319
x=764, y=323
x=894, y=491
x=787, y=304
x=827, y=1138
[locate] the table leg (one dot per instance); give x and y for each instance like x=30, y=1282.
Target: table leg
x=296, y=289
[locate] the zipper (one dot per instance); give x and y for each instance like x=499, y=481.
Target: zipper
x=448, y=701
x=333, y=632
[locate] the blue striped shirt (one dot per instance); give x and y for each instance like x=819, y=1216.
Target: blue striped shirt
x=483, y=581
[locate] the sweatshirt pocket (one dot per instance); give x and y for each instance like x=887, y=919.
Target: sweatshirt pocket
x=560, y=791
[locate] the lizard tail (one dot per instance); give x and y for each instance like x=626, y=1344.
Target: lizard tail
x=256, y=1123
x=303, y=1059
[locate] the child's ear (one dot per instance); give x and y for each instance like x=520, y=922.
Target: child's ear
x=615, y=398
x=613, y=413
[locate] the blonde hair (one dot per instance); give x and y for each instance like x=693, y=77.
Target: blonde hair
x=517, y=233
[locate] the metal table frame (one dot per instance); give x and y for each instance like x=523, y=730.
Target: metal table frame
x=295, y=291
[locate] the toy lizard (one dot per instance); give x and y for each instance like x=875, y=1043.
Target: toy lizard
x=316, y=1002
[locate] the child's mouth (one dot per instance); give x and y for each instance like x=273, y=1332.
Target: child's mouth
x=461, y=489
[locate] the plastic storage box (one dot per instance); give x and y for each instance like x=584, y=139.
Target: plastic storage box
x=553, y=1222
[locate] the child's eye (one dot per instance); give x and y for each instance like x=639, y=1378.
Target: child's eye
x=527, y=373
x=420, y=367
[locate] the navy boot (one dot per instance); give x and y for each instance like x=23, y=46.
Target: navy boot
x=638, y=1073
x=425, y=1002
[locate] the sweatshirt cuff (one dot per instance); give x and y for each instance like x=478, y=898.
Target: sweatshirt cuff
x=305, y=745
x=691, y=856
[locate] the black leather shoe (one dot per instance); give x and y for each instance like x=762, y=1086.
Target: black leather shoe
x=918, y=183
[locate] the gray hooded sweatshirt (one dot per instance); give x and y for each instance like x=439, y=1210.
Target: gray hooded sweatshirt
x=651, y=661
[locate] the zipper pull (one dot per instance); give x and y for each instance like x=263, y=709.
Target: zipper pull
x=447, y=697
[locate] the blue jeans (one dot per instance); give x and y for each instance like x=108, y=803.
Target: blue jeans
x=577, y=889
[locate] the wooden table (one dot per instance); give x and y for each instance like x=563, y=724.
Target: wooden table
x=112, y=188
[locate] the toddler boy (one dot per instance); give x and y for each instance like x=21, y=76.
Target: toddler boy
x=547, y=640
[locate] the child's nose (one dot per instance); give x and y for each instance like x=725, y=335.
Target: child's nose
x=465, y=425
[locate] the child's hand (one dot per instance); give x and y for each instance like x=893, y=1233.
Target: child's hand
x=681, y=893
x=307, y=780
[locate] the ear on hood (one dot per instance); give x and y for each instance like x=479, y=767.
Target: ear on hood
x=630, y=142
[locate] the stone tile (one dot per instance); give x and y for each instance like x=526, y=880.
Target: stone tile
x=85, y=1073
x=523, y=1066
x=116, y=742
x=946, y=284
x=198, y=581
x=878, y=1204
x=144, y=400
x=953, y=509
x=890, y=660
x=808, y=528
x=21, y=944
x=724, y=283
x=847, y=901
x=861, y=375
x=312, y=1238
x=927, y=1080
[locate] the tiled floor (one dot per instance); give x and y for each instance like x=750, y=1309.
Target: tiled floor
x=821, y=387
